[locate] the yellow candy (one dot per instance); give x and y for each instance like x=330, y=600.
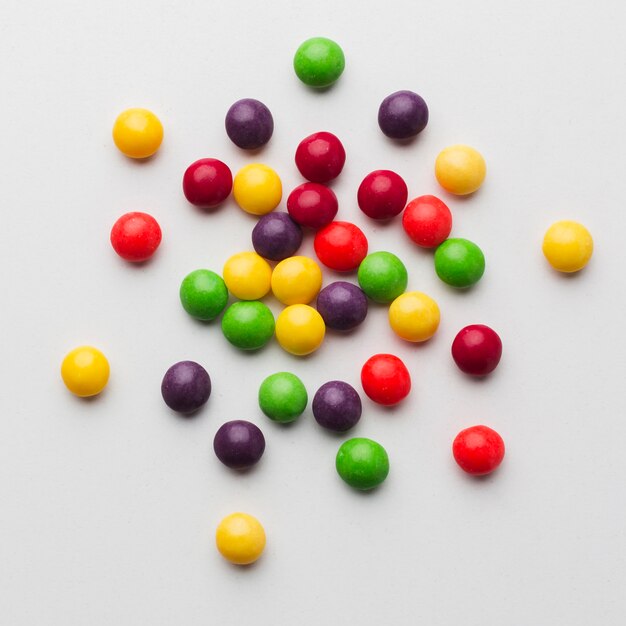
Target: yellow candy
x=460, y=169
x=300, y=329
x=296, y=280
x=568, y=246
x=240, y=538
x=414, y=316
x=137, y=133
x=257, y=189
x=247, y=276
x=85, y=371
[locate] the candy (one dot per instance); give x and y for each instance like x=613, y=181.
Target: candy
x=402, y=115
x=283, y=397
x=247, y=275
x=240, y=538
x=382, y=276
x=340, y=246
x=320, y=157
x=414, y=316
x=300, y=329
x=460, y=169
x=257, y=189
x=276, y=236
x=203, y=294
x=478, y=450
x=319, y=62
x=85, y=371
x=312, y=205
x=382, y=194
x=207, y=183
x=239, y=444
x=459, y=263
x=136, y=236
x=249, y=124
x=427, y=221
x=362, y=463
x=342, y=305
x=137, y=133
x=186, y=387
x=248, y=325
x=477, y=349
x=296, y=280
x=385, y=379
x=337, y=406
x=567, y=246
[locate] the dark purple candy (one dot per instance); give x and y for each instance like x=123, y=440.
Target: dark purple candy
x=276, y=236
x=249, y=124
x=239, y=444
x=186, y=386
x=342, y=305
x=337, y=406
x=403, y=114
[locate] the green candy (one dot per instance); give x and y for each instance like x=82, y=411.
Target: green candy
x=203, y=294
x=382, y=276
x=459, y=262
x=362, y=463
x=319, y=62
x=248, y=325
x=282, y=397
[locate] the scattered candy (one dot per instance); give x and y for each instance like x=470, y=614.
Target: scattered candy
x=296, y=280
x=477, y=350
x=414, y=316
x=459, y=263
x=337, y=406
x=478, y=450
x=85, y=371
x=239, y=444
x=460, y=169
x=312, y=205
x=136, y=236
x=257, y=189
x=249, y=124
x=342, y=305
x=240, y=538
x=362, y=463
x=382, y=194
x=320, y=157
x=567, y=246
x=276, y=236
x=137, y=133
x=207, y=183
x=300, y=329
x=248, y=325
x=186, y=387
x=247, y=275
x=402, y=115
x=382, y=276
x=427, y=221
x=385, y=379
x=283, y=397
x=203, y=294
x=340, y=246
x=319, y=62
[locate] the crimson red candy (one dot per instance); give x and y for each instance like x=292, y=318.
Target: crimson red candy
x=427, y=221
x=385, y=379
x=207, y=183
x=312, y=205
x=478, y=450
x=477, y=349
x=382, y=194
x=136, y=236
x=341, y=246
x=320, y=157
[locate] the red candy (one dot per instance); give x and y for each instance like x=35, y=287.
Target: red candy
x=427, y=221
x=136, y=236
x=320, y=157
x=312, y=205
x=341, y=246
x=477, y=350
x=385, y=379
x=207, y=183
x=478, y=450
x=382, y=194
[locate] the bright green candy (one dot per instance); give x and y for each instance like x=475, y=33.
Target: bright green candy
x=282, y=397
x=203, y=294
x=459, y=262
x=248, y=325
x=319, y=62
x=362, y=463
x=382, y=276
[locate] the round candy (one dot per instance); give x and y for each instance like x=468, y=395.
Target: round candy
x=300, y=329
x=249, y=124
x=568, y=246
x=340, y=246
x=414, y=316
x=362, y=463
x=247, y=275
x=248, y=325
x=296, y=280
x=137, y=133
x=459, y=263
x=239, y=444
x=427, y=221
x=477, y=350
x=460, y=169
x=385, y=379
x=203, y=294
x=136, y=236
x=320, y=157
x=312, y=205
x=382, y=194
x=337, y=406
x=257, y=189
x=319, y=62
x=382, y=276
x=342, y=305
x=402, y=115
x=207, y=183
x=186, y=386
x=276, y=236
x=283, y=397
x=240, y=538
x=478, y=450
x=85, y=371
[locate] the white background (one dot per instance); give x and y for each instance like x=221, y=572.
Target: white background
x=108, y=507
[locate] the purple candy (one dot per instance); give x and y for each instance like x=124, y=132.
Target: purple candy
x=342, y=305
x=276, y=236
x=186, y=386
x=239, y=444
x=403, y=114
x=249, y=124
x=337, y=406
